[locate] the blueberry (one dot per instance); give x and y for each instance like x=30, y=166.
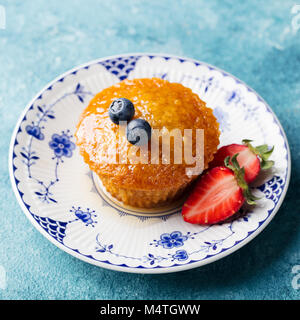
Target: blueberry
x=121, y=110
x=138, y=132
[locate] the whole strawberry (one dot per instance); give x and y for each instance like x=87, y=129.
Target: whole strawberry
x=252, y=159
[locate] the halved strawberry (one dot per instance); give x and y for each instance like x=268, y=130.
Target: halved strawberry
x=253, y=159
x=218, y=194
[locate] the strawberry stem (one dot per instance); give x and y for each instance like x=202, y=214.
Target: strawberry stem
x=240, y=177
x=263, y=152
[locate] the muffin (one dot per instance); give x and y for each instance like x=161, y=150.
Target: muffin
x=165, y=106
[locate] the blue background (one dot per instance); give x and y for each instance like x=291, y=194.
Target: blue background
x=253, y=40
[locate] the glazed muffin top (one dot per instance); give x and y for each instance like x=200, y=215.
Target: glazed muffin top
x=166, y=106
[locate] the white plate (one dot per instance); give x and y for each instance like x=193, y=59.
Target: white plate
x=64, y=201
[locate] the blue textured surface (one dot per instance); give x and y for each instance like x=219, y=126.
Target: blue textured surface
x=256, y=41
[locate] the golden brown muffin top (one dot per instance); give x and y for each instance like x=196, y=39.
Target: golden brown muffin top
x=165, y=106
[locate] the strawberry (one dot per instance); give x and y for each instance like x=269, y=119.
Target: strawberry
x=253, y=159
x=218, y=194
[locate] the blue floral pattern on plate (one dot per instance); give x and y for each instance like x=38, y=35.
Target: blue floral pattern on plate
x=85, y=216
x=62, y=145
x=172, y=240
